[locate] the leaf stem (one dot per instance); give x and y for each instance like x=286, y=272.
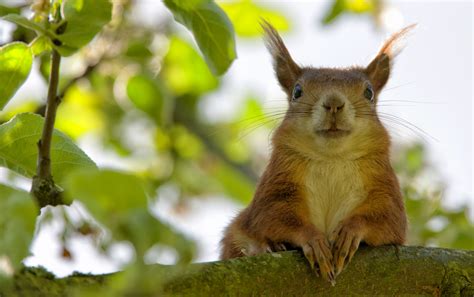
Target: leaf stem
x=43, y=187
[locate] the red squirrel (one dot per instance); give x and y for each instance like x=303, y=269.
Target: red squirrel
x=329, y=184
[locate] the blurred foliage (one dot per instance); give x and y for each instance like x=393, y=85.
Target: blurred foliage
x=17, y=223
x=126, y=218
x=185, y=71
x=246, y=15
x=431, y=223
x=136, y=90
x=341, y=7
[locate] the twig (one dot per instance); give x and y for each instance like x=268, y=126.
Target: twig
x=193, y=126
x=44, y=146
x=214, y=148
x=73, y=81
x=43, y=187
x=42, y=108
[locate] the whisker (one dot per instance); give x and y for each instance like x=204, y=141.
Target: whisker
x=402, y=122
x=290, y=114
x=246, y=131
x=234, y=125
x=397, y=86
x=397, y=130
x=408, y=123
x=413, y=101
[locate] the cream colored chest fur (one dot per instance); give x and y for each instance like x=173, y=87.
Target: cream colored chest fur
x=333, y=190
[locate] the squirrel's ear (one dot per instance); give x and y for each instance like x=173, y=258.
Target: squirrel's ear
x=378, y=70
x=287, y=71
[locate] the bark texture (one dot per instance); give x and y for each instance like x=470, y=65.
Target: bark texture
x=389, y=271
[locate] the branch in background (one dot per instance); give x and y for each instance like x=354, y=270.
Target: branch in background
x=73, y=81
x=214, y=148
x=43, y=187
x=412, y=271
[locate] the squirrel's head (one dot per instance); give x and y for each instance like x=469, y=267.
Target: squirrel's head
x=330, y=107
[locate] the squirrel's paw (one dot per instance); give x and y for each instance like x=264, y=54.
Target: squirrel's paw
x=346, y=240
x=318, y=251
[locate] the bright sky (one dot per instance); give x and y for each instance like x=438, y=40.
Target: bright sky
x=435, y=70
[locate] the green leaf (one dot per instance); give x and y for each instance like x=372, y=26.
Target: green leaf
x=211, y=28
x=15, y=60
x=139, y=50
x=336, y=9
x=246, y=15
x=340, y=7
x=82, y=20
x=145, y=94
x=185, y=70
x=17, y=223
x=40, y=45
x=24, y=22
x=4, y=10
x=18, y=149
x=106, y=193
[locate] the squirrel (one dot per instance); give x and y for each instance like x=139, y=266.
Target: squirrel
x=329, y=184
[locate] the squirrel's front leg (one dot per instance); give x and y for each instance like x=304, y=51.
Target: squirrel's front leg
x=378, y=221
x=345, y=241
x=313, y=243
x=317, y=251
x=278, y=215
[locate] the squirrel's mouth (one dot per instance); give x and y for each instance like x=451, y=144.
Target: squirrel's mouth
x=333, y=132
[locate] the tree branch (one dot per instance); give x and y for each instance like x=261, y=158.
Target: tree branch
x=43, y=187
x=44, y=146
x=73, y=81
x=195, y=127
x=389, y=271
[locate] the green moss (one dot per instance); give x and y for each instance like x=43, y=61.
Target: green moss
x=456, y=281
x=415, y=271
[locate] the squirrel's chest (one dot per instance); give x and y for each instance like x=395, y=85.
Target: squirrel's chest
x=333, y=190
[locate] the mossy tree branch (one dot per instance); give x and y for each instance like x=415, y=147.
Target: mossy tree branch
x=389, y=271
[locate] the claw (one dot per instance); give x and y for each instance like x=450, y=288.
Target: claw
x=318, y=251
x=332, y=279
x=309, y=254
x=339, y=265
x=344, y=249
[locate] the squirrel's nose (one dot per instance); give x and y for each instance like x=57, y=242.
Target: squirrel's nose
x=333, y=104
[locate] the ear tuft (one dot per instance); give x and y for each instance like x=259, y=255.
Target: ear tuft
x=287, y=71
x=380, y=67
x=394, y=45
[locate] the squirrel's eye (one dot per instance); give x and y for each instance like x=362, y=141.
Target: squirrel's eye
x=297, y=92
x=369, y=93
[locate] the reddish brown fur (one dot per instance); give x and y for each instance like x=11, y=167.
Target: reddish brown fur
x=280, y=213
